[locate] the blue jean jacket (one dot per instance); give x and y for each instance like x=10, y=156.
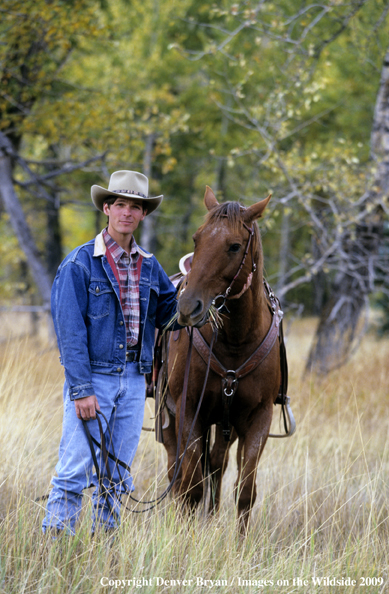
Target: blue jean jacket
x=89, y=321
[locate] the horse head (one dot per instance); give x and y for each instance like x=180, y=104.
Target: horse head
x=227, y=253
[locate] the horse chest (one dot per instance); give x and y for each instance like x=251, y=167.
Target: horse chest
x=246, y=398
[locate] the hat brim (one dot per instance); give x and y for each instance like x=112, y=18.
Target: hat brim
x=99, y=195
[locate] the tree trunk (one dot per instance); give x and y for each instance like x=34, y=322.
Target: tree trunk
x=54, y=238
x=284, y=251
x=147, y=237
x=18, y=221
x=221, y=171
x=337, y=332
x=54, y=254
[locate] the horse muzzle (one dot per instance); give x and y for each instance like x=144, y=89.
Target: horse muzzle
x=192, y=312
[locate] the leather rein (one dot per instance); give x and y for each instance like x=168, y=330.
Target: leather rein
x=110, y=491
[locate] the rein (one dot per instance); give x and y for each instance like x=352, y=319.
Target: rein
x=106, y=455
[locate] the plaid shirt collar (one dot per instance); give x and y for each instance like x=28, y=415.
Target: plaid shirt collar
x=117, y=251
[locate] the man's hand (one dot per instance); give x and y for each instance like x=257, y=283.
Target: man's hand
x=86, y=408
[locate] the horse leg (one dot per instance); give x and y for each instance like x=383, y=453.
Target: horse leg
x=191, y=485
x=170, y=444
x=218, y=464
x=250, y=448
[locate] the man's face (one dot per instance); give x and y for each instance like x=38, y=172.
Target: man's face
x=124, y=215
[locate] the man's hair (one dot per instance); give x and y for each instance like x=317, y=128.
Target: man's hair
x=112, y=199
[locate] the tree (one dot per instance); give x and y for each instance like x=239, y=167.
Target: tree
x=18, y=221
x=32, y=53
x=244, y=96
x=362, y=269
x=77, y=97
x=281, y=66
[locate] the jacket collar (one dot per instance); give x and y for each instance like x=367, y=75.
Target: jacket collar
x=101, y=248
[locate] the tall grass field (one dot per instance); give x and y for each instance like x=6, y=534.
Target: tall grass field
x=319, y=525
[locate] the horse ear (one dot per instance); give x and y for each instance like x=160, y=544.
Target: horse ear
x=255, y=211
x=210, y=199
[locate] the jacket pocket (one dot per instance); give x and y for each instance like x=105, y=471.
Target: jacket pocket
x=100, y=295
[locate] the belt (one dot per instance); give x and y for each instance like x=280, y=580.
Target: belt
x=132, y=355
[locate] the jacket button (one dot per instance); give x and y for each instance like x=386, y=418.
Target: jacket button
x=121, y=323
x=120, y=346
x=97, y=289
x=119, y=369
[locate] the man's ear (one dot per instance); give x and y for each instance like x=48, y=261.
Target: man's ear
x=106, y=209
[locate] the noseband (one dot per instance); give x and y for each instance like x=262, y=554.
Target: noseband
x=224, y=296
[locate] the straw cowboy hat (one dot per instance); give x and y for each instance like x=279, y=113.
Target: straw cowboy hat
x=129, y=184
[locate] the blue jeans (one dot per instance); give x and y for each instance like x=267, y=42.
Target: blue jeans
x=121, y=399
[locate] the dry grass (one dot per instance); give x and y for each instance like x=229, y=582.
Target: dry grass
x=321, y=511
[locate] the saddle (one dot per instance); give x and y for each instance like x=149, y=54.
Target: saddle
x=157, y=383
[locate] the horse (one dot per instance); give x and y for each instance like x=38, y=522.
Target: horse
x=227, y=275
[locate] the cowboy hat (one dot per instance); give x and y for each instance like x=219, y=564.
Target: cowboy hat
x=129, y=184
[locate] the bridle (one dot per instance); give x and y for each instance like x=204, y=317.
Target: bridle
x=226, y=295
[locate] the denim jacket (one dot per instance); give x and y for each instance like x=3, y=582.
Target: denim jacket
x=89, y=321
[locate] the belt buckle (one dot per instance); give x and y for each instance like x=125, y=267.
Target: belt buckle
x=131, y=356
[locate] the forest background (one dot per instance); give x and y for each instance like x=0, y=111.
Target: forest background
x=248, y=97
x=290, y=97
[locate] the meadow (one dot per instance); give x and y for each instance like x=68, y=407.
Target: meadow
x=319, y=525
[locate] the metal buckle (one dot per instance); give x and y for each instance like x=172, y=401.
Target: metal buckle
x=132, y=356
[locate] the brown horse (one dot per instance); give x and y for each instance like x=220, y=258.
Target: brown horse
x=227, y=265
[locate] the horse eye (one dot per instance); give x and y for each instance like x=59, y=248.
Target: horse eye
x=234, y=248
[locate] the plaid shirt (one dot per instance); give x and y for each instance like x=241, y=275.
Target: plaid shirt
x=129, y=284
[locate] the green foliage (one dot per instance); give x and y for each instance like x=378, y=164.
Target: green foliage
x=37, y=39
x=248, y=98
x=15, y=284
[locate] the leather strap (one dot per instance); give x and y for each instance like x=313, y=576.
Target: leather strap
x=230, y=378
x=250, y=364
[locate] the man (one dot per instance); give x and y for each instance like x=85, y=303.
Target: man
x=108, y=297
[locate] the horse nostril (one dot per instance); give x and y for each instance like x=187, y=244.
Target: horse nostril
x=189, y=309
x=198, y=309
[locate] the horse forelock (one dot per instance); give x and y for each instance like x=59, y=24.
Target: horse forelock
x=232, y=213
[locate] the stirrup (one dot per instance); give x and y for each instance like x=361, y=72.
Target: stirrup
x=291, y=421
